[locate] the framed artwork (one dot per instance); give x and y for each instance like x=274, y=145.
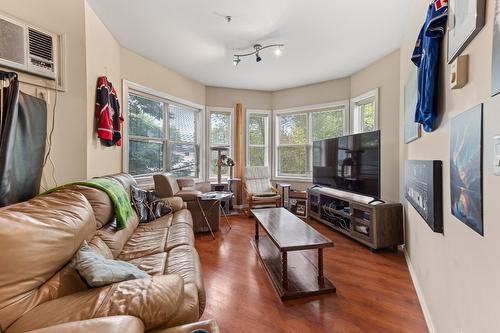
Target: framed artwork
x=495, y=65
x=412, y=129
x=424, y=191
x=465, y=19
x=466, y=164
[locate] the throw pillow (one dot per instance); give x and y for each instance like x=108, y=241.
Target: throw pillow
x=99, y=271
x=147, y=205
x=157, y=206
x=140, y=203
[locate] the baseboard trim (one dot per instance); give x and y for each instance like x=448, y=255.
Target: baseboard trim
x=420, y=295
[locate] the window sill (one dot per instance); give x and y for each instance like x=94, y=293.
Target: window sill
x=292, y=180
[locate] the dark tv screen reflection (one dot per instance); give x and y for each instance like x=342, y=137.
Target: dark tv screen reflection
x=350, y=163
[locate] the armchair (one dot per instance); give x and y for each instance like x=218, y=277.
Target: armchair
x=259, y=188
x=167, y=185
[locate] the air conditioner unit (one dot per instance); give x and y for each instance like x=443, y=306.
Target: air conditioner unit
x=28, y=48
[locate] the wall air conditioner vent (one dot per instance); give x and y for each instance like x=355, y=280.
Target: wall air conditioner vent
x=28, y=48
x=41, y=53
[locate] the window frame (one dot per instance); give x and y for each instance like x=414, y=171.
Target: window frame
x=267, y=136
x=232, y=134
x=356, y=120
x=309, y=110
x=129, y=87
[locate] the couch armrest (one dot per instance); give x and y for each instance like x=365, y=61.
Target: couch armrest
x=114, y=324
x=154, y=300
x=176, y=203
x=209, y=325
x=185, y=182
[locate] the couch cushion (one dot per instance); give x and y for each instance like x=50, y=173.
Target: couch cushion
x=153, y=264
x=179, y=234
x=188, y=195
x=165, y=185
x=143, y=243
x=100, y=202
x=114, y=239
x=160, y=223
x=98, y=245
x=113, y=324
x=38, y=238
x=125, y=179
x=183, y=216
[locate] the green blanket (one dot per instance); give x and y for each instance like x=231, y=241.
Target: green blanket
x=118, y=196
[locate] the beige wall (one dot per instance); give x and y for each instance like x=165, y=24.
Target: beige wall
x=227, y=97
x=103, y=58
x=69, y=139
x=384, y=74
x=458, y=272
x=140, y=70
x=318, y=93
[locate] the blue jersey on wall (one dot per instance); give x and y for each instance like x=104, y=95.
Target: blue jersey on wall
x=426, y=58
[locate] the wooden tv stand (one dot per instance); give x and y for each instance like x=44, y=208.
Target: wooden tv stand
x=376, y=225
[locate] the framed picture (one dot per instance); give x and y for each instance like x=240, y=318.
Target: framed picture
x=412, y=129
x=466, y=165
x=465, y=19
x=495, y=64
x=424, y=191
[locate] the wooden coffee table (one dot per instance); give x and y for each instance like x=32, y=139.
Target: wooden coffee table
x=293, y=274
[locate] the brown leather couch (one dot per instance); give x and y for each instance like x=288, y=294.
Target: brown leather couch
x=41, y=291
x=167, y=185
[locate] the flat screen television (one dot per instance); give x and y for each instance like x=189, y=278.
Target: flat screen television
x=350, y=163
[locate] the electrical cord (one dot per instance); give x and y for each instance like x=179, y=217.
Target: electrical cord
x=48, y=156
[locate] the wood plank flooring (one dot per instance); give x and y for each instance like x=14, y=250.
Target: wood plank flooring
x=374, y=290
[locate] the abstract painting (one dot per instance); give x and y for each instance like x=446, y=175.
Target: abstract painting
x=412, y=129
x=465, y=19
x=495, y=65
x=466, y=162
x=424, y=191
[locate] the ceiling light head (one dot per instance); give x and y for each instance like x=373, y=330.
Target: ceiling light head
x=257, y=57
x=277, y=52
x=236, y=61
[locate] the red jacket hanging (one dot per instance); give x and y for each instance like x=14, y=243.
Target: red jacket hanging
x=107, y=113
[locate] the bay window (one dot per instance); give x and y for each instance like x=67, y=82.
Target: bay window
x=220, y=130
x=163, y=136
x=258, y=125
x=364, y=110
x=296, y=130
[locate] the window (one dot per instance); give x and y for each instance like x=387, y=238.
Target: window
x=162, y=136
x=365, y=112
x=296, y=131
x=220, y=129
x=258, y=138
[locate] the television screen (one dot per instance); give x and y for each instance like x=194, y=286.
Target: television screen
x=350, y=163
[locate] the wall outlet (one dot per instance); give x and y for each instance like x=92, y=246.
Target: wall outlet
x=496, y=155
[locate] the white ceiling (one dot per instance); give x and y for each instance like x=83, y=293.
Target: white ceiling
x=324, y=39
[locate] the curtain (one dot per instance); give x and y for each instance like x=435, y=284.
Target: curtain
x=22, y=142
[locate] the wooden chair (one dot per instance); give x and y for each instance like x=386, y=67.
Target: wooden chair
x=260, y=191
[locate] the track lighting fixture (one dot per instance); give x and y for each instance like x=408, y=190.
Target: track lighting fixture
x=257, y=49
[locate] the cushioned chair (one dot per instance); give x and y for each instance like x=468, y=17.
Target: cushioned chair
x=167, y=185
x=259, y=189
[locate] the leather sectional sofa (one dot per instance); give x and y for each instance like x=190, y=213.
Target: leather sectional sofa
x=41, y=290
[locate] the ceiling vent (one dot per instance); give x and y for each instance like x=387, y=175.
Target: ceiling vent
x=27, y=48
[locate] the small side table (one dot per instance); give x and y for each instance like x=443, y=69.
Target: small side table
x=283, y=186
x=217, y=198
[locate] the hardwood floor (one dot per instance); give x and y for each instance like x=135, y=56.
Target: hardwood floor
x=374, y=290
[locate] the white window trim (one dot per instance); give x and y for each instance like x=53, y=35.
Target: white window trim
x=356, y=100
x=209, y=110
x=268, y=135
x=129, y=86
x=309, y=109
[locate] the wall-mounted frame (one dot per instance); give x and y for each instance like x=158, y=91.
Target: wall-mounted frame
x=465, y=19
x=495, y=63
x=424, y=191
x=412, y=129
x=466, y=168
